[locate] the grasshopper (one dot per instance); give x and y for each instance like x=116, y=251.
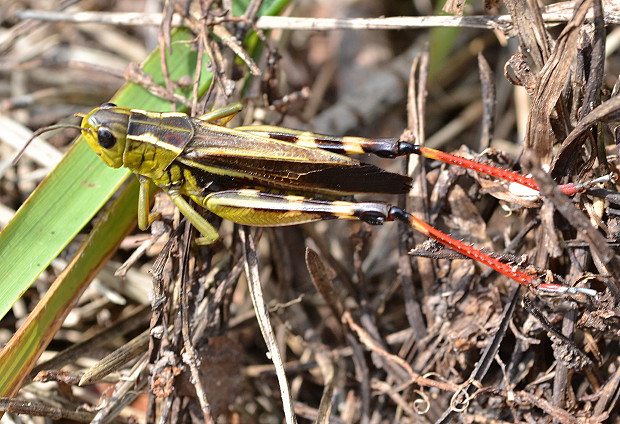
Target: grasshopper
x=272, y=176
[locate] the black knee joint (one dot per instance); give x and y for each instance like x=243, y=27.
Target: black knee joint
x=397, y=213
x=405, y=148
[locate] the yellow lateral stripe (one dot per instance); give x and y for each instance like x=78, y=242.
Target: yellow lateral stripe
x=157, y=115
x=150, y=138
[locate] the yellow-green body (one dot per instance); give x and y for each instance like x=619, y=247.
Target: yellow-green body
x=243, y=174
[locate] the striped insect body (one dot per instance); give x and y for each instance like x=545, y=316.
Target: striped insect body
x=271, y=176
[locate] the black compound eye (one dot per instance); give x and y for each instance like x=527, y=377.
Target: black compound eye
x=106, y=138
x=107, y=105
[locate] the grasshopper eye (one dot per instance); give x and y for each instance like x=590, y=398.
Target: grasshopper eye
x=106, y=138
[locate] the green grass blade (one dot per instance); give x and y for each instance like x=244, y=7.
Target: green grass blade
x=22, y=351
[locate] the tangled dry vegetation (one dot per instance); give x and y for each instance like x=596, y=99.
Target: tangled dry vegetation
x=373, y=324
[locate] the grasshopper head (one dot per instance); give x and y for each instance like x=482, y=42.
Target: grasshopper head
x=105, y=130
